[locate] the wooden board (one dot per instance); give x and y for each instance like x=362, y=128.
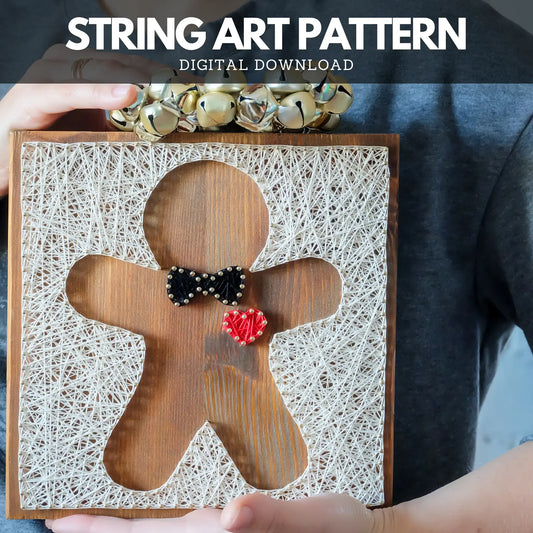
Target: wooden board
x=231, y=386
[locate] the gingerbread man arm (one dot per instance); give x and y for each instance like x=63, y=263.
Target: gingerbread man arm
x=296, y=293
x=104, y=289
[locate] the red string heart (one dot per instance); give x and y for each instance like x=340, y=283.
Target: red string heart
x=244, y=326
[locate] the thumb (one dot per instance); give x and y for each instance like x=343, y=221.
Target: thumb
x=335, y=513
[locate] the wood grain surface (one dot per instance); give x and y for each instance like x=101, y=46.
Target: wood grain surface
x=204, y=216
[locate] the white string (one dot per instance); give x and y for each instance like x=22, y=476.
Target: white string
x=78, y=374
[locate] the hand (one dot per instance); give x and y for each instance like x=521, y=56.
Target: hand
x=32, y=106
x=328, y=513
x=201, y=521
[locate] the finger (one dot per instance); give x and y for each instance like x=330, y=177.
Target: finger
x=335, y=513
x=62, y=53
x=201, y=521
x=96, y=70
x=37, y=106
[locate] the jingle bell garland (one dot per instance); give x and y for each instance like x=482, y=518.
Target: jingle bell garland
x=287, y=101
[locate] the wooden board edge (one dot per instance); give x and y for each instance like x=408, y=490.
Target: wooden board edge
x=291, y=139
x=392, y=281
x=12, y=502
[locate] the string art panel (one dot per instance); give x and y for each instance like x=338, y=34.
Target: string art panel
x=75, y=376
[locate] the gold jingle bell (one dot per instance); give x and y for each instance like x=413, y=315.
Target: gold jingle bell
x=131, y=113
x=296, y=110
x=342, y=100
x=322, y=86
x=224, y=81
x=180, y=97
x=256, y=106
x=324, y=121
x=144, y=135
x=284, y=81
x=159, y=82
x=117, y=119
x=187, y=124
x=215, y=109
x=332, y=122
x=157, y=120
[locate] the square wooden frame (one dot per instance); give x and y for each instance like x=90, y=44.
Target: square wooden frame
x=13, y=509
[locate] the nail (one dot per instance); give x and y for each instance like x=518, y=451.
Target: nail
x=121, y=90
x=242, y=519
x=49, y=523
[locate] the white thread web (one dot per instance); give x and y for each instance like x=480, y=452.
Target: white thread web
x=78, y=375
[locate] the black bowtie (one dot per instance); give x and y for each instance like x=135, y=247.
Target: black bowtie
x=226, y=285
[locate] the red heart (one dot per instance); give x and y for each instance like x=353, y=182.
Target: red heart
x=244, y=326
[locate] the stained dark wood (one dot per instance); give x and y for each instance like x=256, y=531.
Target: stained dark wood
x=231, y=386
x=392, y=283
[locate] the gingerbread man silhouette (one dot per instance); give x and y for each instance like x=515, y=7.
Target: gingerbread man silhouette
x=204, y=216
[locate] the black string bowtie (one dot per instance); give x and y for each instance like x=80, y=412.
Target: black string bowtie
x=226, y=285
